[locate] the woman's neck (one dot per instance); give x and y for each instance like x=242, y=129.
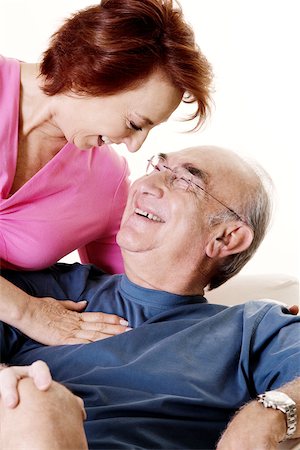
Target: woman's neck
x=36, y=108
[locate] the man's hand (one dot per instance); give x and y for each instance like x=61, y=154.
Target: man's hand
x=10, y=377
x=53, y=322
x=254, y=427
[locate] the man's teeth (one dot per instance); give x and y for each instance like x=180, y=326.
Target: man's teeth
x=148, y=215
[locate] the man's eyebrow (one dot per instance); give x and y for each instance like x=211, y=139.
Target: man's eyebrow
x=201, y=174
x=146, y=119
x=196, y=172
x=163, y=156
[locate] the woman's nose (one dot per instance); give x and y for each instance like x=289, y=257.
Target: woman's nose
x=134, y=143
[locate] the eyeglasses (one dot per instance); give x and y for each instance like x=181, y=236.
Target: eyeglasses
x=181, y=178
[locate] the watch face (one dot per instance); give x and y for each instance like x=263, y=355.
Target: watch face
x=276, y=396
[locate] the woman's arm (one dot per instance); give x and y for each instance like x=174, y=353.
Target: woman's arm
x=53, y=322
x=104, y=252
x=13, y=302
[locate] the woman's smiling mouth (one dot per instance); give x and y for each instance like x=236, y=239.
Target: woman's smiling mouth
x=103, y=140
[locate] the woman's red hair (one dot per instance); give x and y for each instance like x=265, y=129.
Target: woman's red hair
x=114, y=46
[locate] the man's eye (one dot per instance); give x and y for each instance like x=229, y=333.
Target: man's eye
x=134, y=126
x=158, y=167
x=183, y=183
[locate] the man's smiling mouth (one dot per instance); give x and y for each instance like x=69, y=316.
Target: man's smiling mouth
x=150, y=216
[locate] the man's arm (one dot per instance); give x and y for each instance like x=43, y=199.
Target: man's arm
x=258, y=427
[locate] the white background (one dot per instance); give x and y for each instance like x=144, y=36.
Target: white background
x=253, y=47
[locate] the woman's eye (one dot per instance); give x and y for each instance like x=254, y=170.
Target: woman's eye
x=134, y=126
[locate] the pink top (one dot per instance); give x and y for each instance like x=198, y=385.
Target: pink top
x=74, y=202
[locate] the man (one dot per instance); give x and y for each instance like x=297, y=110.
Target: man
x=176, y=379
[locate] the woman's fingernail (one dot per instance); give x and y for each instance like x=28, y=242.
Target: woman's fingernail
x=128, y=329
x=123, y=322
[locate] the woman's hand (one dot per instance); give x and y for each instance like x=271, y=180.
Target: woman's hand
x=294, y=309
x=53, y=322
x=10, y=377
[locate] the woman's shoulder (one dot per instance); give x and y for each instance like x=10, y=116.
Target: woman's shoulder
x=9, y=65
x=9, y=77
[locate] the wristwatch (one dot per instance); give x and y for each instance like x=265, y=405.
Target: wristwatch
x=281, y=401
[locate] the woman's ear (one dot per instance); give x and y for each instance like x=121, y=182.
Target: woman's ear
x=230, y=240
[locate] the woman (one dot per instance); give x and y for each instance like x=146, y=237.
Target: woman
x=111, y=73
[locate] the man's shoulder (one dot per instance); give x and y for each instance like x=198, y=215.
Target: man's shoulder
x=266, y=317
x=264, y=306
x=255, y=313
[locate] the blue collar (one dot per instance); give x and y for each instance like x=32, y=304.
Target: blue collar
x=153, y=297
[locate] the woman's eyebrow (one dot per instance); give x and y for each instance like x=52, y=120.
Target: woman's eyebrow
x=145, y=119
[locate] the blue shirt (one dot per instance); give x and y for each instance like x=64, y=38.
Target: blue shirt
x=174, y=381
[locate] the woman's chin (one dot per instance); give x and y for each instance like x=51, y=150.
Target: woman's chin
x=81, y=145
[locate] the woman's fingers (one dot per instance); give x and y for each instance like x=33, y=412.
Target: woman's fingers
x=96, y=326
x=105, y=328
x=74, y=306
x=99, y=317
x=54, y=322
x=103, y=318
x=96, y=335
x=294, y=309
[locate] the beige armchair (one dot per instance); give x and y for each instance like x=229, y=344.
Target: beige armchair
x=241, y=288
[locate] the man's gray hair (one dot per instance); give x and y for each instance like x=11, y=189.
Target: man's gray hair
x=257, y=211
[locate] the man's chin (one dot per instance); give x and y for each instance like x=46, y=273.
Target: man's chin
x=131, y=244
x=131, y=239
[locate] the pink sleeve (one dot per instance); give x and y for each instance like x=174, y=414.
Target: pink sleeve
x=105, y=252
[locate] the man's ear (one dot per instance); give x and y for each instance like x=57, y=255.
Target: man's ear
x=231, y=239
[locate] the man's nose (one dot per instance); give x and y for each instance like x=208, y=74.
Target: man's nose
x=152, y=184
x=134, y=143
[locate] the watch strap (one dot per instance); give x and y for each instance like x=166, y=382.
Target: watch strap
x=289, y=409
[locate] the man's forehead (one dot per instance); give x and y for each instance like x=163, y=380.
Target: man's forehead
x=216, y=164
x=210, y=158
